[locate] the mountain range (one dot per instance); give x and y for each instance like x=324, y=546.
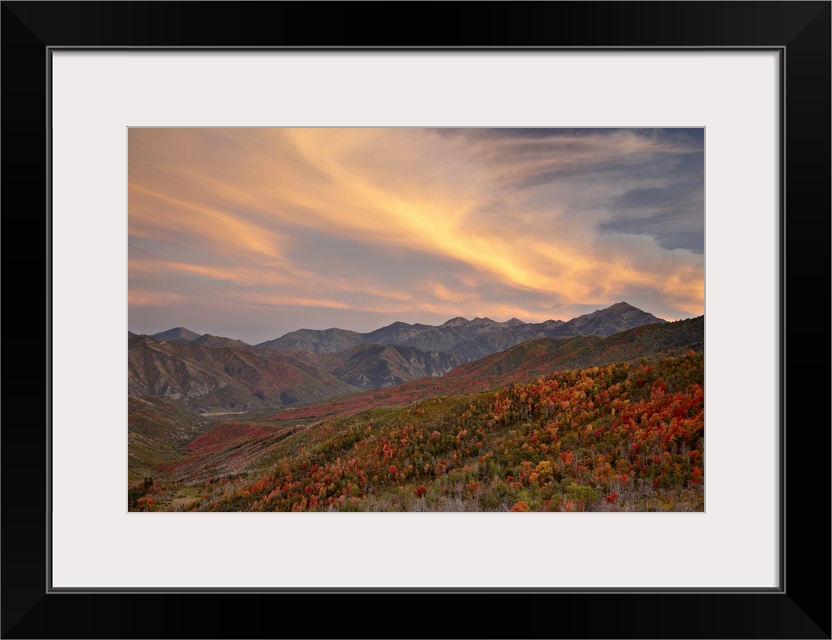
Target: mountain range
x=468, y=339
x=471, y=437
x=209, y=372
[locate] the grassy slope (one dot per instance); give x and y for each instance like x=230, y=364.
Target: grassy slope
x=157, y=431
x=621, y=437
x=209, y=379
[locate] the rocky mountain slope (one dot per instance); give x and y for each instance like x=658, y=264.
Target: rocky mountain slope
x=468, y=339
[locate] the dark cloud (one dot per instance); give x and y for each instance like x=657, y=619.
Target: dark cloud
x=682, y=137
x=673, y=214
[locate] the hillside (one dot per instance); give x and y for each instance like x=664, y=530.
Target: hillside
x=373, y=366
x=523, y=363
x=597, y=398
x=623, y=437
x=540, y=357
x=226, y=377
x=157, y=431
x=210, y=373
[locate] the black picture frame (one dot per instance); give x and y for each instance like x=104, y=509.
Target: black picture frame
x=799, y=31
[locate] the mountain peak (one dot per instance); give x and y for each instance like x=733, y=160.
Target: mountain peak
x=618, y=307
x=177, y=334
x=454, y=322
x=615, y=318
x=208, y=340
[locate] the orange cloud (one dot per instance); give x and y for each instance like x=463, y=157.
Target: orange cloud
x=286, y=301
x=143, y=298
x=236, y=201
x=154, y=214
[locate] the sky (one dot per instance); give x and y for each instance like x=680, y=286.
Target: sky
x=250, y=233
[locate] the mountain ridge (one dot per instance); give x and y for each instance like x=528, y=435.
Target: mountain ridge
x=448, y=336
x=219, y=373
x=209, y=372
x=455, y=335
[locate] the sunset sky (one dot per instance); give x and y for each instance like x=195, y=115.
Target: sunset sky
x=252, y=233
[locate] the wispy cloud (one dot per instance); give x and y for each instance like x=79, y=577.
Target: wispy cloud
x=423, y=224
x=143, y=298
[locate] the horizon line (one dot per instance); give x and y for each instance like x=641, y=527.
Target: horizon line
x=403, y=322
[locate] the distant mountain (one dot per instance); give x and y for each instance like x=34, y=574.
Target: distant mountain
x=216, y=342
x=465, y=339
x=182, y=335
x=177, y=334
x=535, y=358
x=605, y=322
x=372, y=366
x=211, y=373
x=316, y=341
x=495, y=341
x=238, y=378
x=454, y=322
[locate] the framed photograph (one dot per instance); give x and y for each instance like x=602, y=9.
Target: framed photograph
x=282, y=237
x=351, y=211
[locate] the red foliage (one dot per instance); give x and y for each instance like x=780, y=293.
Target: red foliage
x=146, y=503
x=591, y=426
x=222, y=435
x=696, y=476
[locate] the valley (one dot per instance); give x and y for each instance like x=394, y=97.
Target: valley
x=213, y=374
x=601, y=413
